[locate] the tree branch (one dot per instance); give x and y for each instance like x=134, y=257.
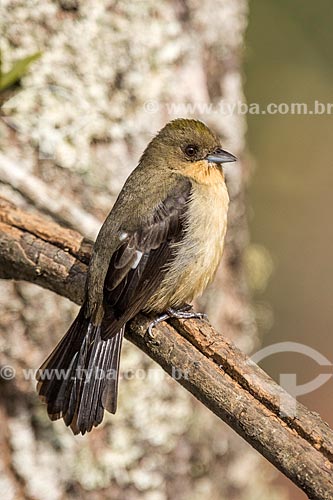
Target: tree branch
x=46, y=198
x=224, y=379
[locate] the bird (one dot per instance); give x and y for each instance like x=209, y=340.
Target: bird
x=156, y=251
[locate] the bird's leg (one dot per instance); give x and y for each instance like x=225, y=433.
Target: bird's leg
x=181, y=313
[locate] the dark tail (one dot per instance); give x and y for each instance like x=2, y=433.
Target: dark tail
x=79, y=380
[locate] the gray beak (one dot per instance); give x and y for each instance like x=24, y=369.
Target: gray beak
x=220, y=156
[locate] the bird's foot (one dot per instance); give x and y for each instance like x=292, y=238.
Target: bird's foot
x=182, y=313
x=154, y=323
x=185, y=313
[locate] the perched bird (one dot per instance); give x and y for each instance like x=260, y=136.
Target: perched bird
x=158, y=249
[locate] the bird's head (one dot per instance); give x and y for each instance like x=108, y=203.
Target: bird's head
x=186, y=145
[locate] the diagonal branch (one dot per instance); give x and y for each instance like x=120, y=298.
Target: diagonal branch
x=45, y=198
x=224, y=379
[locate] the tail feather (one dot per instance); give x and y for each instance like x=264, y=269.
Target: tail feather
x=79, y=380
x=59, y=367
x=110, y=394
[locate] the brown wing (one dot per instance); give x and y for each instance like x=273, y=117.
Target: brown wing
x=137, y=268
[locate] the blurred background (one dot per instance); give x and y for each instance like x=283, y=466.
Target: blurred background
x=84, y=86
x=290, y=203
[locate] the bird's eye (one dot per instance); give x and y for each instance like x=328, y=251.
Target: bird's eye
x=191, y=150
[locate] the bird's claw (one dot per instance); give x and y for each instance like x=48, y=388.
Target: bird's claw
x=154, y=323
x=183, y=313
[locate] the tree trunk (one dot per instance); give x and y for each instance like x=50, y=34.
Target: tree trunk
x=111, y=75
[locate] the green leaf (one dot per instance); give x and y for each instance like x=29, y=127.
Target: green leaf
x=18, y=69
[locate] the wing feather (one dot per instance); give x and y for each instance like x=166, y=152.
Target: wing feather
x=138, y=266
